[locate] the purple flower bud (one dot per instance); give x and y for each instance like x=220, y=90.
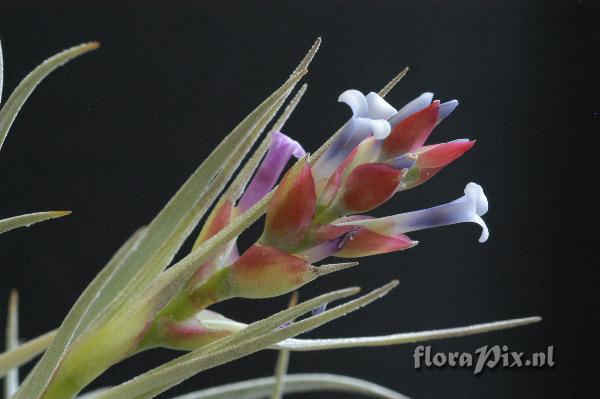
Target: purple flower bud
x=282, y=148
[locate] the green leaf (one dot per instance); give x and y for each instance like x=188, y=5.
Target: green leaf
x=29, y=219
x=11, y=382
x=1, y=72
x=242, y=178
x=402, y=338
x=305, y=345
x=283, y=361
x=24, y=353
x=272, y=322
x=294, y=383
x=174, y=223
x=86, y=303
x=229, y=349
x=11, y=108
x=133, y=284
x=259, y=388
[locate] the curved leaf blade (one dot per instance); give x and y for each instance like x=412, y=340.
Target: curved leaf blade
x=11, y=382
x=183, y=367
x=24, y=353
x=295, y=383
x=72, y=324
x=402, y=338
x=1, y=72
x=28, y=219
x=15, y=101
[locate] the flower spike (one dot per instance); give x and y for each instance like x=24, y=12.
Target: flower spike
x=318, y=209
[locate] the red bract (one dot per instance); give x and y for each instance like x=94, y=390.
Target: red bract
x=217, y=221
x=433, y=158
x=412, y=132
x=292, y=208
x=366, y=243
x=264, y=271
x=368, y=186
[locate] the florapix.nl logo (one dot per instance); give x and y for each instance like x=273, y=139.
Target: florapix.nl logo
x=484, y=357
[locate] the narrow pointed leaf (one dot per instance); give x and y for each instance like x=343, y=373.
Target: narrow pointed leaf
x=283, y=361
x=402, y=338
x=29, y=219
x=127, y=315
x=289, y=109
x=294, y=383
x=24, y=353
x=87, y=305
x=13, y=104
x=178, y=370
x=278, y=319
x=174, y=223
x=392, y=83
x=11, y=381
x=1, y=72
x=92, y=394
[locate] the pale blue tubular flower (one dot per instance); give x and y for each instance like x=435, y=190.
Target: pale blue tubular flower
x=468, y=208
x=370, y=116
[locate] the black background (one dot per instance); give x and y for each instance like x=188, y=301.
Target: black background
x=113, y=134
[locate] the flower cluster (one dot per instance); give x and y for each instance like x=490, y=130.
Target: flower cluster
x=318, y=209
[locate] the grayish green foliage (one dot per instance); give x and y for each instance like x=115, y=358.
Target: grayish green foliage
x=15, y=101
x=11, y=381
x=29, y=219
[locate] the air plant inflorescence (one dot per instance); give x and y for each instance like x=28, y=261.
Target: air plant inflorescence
x=140, y=300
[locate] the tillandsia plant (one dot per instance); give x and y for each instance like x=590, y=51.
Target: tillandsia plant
x=140, y=300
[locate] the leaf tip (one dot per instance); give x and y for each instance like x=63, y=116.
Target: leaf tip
x=13, y=299
x=334, y=267
x=91, y=45
x=59, y=214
